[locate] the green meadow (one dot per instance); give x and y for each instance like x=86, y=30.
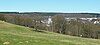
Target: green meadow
x=11, y=34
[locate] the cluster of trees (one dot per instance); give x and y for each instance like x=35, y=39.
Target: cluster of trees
x=59, y=24
x=25, y=20
x=75, y=27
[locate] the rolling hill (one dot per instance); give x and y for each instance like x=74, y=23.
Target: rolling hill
x=11, y=34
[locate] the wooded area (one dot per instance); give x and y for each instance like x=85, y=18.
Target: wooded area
x=59, y=25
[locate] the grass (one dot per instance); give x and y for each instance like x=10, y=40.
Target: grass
x=19, y=35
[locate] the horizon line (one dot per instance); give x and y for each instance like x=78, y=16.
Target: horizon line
x=54, y=11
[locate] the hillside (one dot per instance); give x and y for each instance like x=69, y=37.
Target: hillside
x=11, y=34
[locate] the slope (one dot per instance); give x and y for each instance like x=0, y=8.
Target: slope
x=11, y=34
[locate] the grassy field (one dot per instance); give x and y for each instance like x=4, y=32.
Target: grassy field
x=11, y=34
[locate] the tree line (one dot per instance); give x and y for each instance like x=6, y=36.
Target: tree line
x=59, y=25
x=24, y=20
x=75, y=27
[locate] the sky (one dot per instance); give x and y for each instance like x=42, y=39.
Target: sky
x=50, y=6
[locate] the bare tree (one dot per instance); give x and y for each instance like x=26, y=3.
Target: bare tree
x=58, y=23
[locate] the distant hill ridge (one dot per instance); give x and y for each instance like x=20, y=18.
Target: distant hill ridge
x=56, y=13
